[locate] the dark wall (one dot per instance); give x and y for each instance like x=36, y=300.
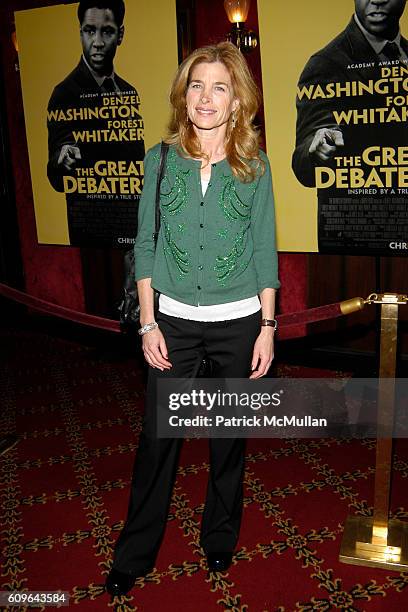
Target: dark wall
x=332, y=278
x=11, y=266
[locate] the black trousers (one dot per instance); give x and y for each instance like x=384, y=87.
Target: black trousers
x=229, y=345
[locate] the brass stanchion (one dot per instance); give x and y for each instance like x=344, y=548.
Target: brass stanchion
x=377, y=541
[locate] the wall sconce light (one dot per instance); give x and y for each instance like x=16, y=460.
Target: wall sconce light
x=237, y=12
x=14, y=40
x=15, y=45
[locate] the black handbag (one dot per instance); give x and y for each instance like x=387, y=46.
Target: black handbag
x=129, y=307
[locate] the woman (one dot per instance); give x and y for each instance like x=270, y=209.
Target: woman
x=215, y=267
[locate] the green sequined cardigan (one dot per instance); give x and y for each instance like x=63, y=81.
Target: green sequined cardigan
x=211, y=249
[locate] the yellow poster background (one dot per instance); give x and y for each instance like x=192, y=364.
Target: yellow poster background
x=289, y=34
x=49, y=48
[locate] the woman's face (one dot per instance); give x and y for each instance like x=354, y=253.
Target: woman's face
x=210, y=97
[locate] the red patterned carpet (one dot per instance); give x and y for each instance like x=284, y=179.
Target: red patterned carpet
x=64, y=491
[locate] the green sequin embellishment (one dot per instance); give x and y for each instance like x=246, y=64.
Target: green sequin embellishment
x=181, y=227
x=226, y=264
x=181, y=258
x=232, y=205
x=174, y=201
x=223, y=233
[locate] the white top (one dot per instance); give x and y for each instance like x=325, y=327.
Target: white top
x=214, y=312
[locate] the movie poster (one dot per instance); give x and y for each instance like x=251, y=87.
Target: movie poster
x=340, y=153
x=93, y=104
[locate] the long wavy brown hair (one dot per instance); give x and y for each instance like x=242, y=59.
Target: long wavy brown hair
x=242, y=141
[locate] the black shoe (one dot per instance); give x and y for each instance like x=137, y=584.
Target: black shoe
x=219, y=561
x=118, y=583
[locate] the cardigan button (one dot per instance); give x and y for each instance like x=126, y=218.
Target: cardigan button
x=201, y=203
x=201, y=247
x=198, y=287
x=200, y=267
x=201, y=224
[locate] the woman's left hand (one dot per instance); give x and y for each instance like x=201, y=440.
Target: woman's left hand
x=263, y=352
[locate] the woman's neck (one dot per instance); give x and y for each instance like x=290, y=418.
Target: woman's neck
x=212, y=143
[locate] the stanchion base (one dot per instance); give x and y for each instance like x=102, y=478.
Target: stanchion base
x=357, y=547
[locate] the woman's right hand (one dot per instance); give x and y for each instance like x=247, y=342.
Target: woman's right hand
x=155, y=350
